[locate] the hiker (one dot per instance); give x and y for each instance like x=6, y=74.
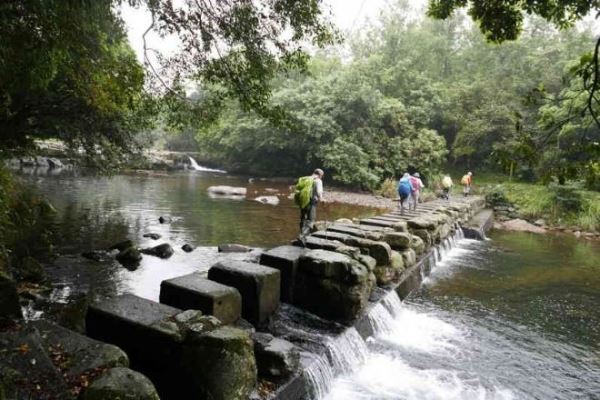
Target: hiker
x=404, y=190
x=417, y=185
x=309, y=191
x=467, y=181
x=446, y=187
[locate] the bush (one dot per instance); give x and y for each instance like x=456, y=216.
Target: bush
x=389, y=189
x=566, y=198
x=496, y=195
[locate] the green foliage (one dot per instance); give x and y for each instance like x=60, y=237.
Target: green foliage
x=388, y=188
x=337, y=121
x=495, y=195
x=557, y=204
x=66, y=71
x=504, y=20
x=566, y=198
x=25, y=222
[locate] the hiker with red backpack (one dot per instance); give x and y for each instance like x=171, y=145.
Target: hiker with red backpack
x=308, y=193
x=417, y=185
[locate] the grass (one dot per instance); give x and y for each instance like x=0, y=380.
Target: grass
x=543, y=201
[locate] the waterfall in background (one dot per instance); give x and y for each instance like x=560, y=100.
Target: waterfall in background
x=194, y=165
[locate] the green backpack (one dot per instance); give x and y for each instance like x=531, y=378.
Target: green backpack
x=303, y=191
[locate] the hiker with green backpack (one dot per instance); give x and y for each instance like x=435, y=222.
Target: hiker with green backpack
x=308, y=193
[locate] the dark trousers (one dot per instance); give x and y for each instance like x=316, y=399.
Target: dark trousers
x=308, y=215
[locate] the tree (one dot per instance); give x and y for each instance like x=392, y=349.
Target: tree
x=503, y=20
x=66, y=70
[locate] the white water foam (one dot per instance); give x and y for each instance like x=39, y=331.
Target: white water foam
x=194, y=165
x=386, y=377
x=420, y=331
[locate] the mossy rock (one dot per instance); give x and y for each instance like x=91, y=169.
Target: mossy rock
x=220, y=363
x=120, y=384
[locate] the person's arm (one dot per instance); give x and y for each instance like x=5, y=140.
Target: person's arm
x=319, y=184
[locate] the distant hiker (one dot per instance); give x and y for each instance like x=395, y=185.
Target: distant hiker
x=467, y=181
x=446, y=187
x=308, y=193
x=404, y=190
x=417, y=185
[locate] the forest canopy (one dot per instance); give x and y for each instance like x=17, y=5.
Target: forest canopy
x=415, y=91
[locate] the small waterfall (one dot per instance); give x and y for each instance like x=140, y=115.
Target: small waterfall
x=347, y=351
x=319, y=375
x=459, y=233
x=380, y=319
x=393, y=303
x=194, y=165
x=382, y=315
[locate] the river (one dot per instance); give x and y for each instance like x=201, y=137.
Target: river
x=515, y=317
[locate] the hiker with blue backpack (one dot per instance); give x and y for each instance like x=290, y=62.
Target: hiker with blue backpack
x=308, y=193
x=405, y=188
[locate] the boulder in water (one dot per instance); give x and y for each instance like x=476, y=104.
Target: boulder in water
x=227, y=190
x=54, y=163
x=96, y=255
x=130, y=257
x=272, y=200
x=153, y=236
x=162, y=251
x=121, y=245
x=275, y=358
x=233, y=248
x=165, y=220
x=188, y=248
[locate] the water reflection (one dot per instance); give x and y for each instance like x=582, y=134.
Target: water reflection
x=94, y=212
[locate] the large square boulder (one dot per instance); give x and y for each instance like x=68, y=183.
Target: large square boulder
x=285, y=259
x=193, y=291
x=258, y=285
x=332, y=285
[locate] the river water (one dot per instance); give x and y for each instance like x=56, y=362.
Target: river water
x=515, y=317
x=94, y=212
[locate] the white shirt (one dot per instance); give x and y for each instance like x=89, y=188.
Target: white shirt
x=319, y=186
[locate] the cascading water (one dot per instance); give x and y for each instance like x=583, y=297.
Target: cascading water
x=348, y=351
x=194, y=165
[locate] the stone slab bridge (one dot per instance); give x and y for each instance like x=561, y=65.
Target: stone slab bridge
x=246, y=329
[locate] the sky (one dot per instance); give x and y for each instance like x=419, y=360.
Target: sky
x=347, y=15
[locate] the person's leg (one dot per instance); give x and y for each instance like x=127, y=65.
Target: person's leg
x=304, y=221
x=416, y=200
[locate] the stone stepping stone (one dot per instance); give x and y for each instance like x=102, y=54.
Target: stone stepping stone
x=285, y=259
x=194, y=291
x=258, y=285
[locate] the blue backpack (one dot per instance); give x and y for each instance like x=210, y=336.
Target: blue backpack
x=404, y=187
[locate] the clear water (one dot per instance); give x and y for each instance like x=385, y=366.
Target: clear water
x=517, y=317
x=95, y=212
